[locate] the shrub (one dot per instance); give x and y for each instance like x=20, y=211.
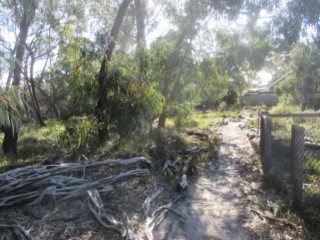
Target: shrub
x=181, y=114
x=79, y=133
x=285, y=109
x=131, y=104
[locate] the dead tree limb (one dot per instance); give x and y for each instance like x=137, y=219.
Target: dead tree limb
x=60, y=187
x=105, y=218
x=67, y=190
x=16, y=179
x=16, y=227
x=147, y=203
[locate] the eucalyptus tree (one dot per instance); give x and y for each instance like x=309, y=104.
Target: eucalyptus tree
x=295, y=31
x=100, y=109
x=294, y=21
x=302, y=85
x=140, y=13
x=190, y=19
x=22, y=14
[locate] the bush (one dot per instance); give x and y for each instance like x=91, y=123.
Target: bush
x=132, y=104
x=181, y=114
x=79, y=133
x=285, y=109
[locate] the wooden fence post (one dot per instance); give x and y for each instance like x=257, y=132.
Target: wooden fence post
x=297, y=153
x=268, y=145
x=262, y=141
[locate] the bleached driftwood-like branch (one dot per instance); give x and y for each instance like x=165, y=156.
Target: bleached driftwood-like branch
x=147, y=203
x=25, y=185
x=105, y=218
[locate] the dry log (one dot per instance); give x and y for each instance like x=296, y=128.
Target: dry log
x=105, y=218
x=147, y=203
x=58, y=169
x=20, y=177
x=65, y=187
x=24, y=185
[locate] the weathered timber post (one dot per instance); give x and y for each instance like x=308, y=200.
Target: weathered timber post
x=266, y=143
x=297, y=159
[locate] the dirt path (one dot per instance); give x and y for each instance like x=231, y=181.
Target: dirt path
x=215, y=206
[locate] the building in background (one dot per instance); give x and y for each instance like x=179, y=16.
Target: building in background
x=262, y=96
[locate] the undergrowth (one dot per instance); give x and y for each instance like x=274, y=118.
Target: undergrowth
x=76, y=140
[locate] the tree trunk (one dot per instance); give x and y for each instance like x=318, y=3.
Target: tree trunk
x=32, y=89
x=10, y=140
x=141, y=41
x=29, y=8
x=309, y=93
x=100, y=110
x=50, y=101
x=162, y=119
x=168, y=76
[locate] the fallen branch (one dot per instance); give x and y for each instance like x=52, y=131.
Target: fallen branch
x=23, y=233
x=190, y=152
x=149, y=200
x=66, y=187
x=17, y=176
x=97, y=208
x=282, y=221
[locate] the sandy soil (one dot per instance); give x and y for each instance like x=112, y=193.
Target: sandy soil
x=216, y=205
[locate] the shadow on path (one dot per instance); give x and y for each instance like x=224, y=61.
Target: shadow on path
x=215, y=203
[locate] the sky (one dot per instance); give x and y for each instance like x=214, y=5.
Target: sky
x=164, y=26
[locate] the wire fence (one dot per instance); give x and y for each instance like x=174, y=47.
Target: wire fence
x=290, y=155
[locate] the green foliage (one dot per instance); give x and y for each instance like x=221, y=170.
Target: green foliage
x=285, y=109
x=312, y=170
x=311, y=216
x=169, y=144
x=74, y=73
x=132, y=104
x=232, y=97
x=206, y=118
x=36, y=141
x=11, y=109
x=213, y=83
x=181, y=114
x=79, y=134
x=296, y=21
x=301, y=87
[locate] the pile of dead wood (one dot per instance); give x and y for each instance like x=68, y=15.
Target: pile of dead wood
x=31, y=185
x=68, y=181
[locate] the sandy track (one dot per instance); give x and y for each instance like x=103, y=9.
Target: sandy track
x=215, y=205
